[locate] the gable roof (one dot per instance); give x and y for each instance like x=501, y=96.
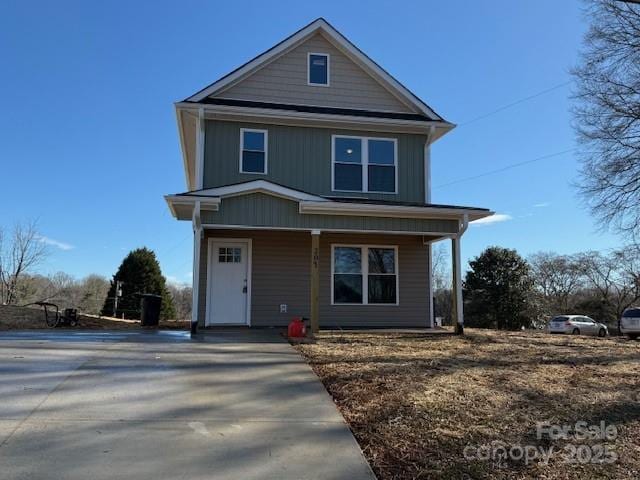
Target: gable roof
x=339, y=41
x=252, y=186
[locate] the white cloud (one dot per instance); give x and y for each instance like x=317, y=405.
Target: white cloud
x=54, y=243
x=542, y=205
x=496, y=218
x=176, y=281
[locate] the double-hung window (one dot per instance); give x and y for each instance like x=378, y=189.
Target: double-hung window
x=366, y=275
x=364, y=164
x=253, y=151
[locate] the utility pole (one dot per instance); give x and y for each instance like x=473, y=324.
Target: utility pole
x=117, y=295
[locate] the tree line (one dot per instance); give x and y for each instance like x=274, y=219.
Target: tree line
x=503, y=290
x=22, y=251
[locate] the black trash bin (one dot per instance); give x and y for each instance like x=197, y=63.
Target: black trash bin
x=150, y=309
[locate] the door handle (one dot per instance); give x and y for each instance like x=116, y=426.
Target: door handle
x=244, y=289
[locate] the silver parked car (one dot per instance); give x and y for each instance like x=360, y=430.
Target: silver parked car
x=630, y=322
x=577, y=325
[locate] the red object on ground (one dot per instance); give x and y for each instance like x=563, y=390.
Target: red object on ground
x=297, y=328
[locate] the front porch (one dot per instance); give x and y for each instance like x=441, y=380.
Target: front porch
x=294, y=274
x=264, y=253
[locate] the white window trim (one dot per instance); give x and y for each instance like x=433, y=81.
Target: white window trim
x=364, y=163
x=266, y=149
x=328, y=57
x=364, y=255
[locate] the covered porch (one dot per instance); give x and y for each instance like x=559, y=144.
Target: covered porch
x=264, y=254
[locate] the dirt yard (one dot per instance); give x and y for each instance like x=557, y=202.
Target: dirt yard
x=28, y=318
x=441, y=406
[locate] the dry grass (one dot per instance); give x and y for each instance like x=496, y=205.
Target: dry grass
x=414, y=401
x=29, y=318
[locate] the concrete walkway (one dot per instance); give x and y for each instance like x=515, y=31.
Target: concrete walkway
x=129, y=405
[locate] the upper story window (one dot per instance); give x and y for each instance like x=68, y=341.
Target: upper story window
x=318, y=69
x=253, y=151
x=364, y=164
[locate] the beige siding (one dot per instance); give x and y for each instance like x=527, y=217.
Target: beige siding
x=280, y=274
x=285, y=81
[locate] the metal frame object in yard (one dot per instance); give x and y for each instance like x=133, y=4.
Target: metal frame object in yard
x=54, y=318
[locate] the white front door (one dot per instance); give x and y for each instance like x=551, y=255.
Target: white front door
x=228, y=282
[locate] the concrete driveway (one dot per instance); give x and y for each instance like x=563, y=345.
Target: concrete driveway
x=159, y=405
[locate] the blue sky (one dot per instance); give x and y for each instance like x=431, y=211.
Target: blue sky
x=88, y=139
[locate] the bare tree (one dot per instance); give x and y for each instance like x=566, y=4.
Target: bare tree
x=94, y=290
x=441, y=270
x=181, y=295
x=87, y=294
x=557, y=278
x=615, y=278
x=607, y=114
x=18, y=256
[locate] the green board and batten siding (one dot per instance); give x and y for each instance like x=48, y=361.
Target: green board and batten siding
x=261, y=210
x=300, y=158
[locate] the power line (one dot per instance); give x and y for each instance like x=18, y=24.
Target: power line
x=517, y=102
x=506, y=167
x=172, y=248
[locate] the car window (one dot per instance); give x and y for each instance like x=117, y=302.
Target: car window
x=559, y=319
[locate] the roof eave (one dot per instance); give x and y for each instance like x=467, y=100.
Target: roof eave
x=376, y=210
x=222, y=112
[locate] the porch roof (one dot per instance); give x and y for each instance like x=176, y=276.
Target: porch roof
x=316, y=210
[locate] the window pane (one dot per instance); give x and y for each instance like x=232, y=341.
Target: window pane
x=253, y=162
x=347, y=260
x=382, y=288
x=382, y=179
x=381, y=152
x=347, y=288
x=348, y=150
x=318, y=69
x=382, y=260
x=348, y=177
x=253, y=141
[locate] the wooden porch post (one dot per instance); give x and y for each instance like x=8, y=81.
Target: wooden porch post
x=315, y=281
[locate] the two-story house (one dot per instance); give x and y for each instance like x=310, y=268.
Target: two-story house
x=309, y=188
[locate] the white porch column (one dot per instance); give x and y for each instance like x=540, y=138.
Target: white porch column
x=197, y=239
x=457, y=310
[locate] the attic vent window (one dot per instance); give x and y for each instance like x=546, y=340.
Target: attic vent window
x=318, y=69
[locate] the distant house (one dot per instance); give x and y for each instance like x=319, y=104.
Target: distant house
x=309, y=189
